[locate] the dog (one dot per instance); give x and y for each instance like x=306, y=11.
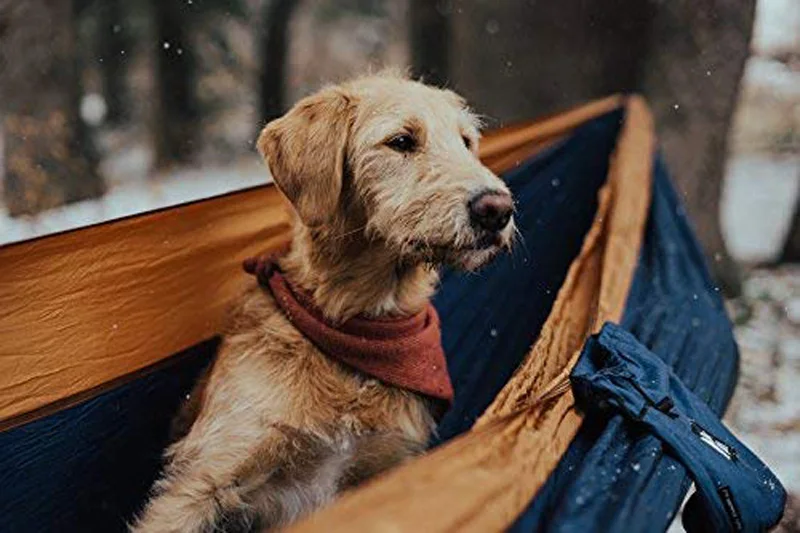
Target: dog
x=386, y=186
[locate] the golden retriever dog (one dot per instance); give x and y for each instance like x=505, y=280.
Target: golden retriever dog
x=386, y=185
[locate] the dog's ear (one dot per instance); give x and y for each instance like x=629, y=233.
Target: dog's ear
x=306, y=152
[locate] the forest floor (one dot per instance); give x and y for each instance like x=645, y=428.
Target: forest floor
x=765, y=410
x=131, y=190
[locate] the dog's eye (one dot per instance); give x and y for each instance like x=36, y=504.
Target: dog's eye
x=467, y=142
x=402, y=143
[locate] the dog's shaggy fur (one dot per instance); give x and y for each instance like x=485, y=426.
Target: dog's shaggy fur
x=280, y=428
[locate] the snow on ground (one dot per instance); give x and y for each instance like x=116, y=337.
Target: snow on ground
x=777, y=25
x=134, y=196
x=765, y=410
x=757, y=202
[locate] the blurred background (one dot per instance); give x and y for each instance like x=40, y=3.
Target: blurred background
x=115, y=107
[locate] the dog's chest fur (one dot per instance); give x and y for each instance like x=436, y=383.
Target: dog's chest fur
x=335, y=427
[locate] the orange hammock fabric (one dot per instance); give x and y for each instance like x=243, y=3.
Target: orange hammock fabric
x=85, y=310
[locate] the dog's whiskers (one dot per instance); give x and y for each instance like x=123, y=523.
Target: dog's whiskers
x=518, y=237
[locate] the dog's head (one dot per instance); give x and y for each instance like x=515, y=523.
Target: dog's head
x=397, y=160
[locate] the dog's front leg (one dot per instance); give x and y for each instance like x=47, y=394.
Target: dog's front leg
x=196, y=494
x=284, y=476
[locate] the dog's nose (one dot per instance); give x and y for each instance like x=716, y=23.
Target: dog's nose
x=491, y=210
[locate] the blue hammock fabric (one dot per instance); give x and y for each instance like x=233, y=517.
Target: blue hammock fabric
x=88, y=468
x=735, y=490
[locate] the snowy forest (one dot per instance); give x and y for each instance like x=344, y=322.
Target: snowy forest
x=102, y=94
x=111, y=108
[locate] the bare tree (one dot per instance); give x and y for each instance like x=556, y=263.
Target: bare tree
x=693, y=69
x=175, y=124
x=519, y=60
x=49, y=158
x=430, y=40
x=791, y=248
x=114, y=44
x=274, y=50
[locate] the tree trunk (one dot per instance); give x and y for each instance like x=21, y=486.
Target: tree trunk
x=791, y=248
x=49, y=158
x=114, y=47
x=274, y=50
x=176, y=111
x=515, y=61
x=694, y=65
x=429, y=40
x=518, y=60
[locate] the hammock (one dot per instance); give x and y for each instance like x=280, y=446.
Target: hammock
x=544, y=435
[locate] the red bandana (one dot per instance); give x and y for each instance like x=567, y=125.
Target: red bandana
x=406, y=352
